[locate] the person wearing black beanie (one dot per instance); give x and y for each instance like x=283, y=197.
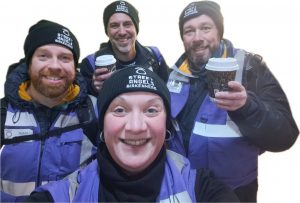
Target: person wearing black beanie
x=132, y=79
x=228, y=132
x=46, y=114
x=210, y=8
x=121, y=25
x=121, y=7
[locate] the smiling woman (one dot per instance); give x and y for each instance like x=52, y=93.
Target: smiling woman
x=139, y=129
x=273, y=35
x=139, y=112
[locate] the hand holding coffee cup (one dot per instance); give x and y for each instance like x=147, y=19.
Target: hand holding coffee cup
x=219, y=72
x=106, y=61
x=104, y=67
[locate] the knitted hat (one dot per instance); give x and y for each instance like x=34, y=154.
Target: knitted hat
x=121, y=7
x=131, y=79
x=47, y=32
x=195, y=9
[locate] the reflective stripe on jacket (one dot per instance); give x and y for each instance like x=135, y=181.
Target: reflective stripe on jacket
x=26, y=165
x=216, y=142
x=83, y=186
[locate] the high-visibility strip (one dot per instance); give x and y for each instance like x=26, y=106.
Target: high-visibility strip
x=178, y=198
x=17, y=189
x=212, y=130
x=177, y=158
x=86, y=151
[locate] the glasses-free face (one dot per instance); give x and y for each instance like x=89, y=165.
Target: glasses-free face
x=200, y=39
x=135, y=129
x=122, y=34
x=51, y=71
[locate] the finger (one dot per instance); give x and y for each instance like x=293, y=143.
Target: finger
x=231, y=95
x=98, y=85
x=228, y=105
x=100, y=71
x=235, y=86
x=102, y=77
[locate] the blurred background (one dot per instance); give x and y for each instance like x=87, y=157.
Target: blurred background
x=268, y=28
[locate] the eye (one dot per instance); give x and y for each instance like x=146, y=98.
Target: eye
x=66, y=58
x=128, y=24
x=119, y=111
x=188, y=31
x=114, y=25
x=42, y=57
x=206, y=28
x=152, y=111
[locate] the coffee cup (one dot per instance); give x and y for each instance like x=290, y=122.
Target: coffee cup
x=106, y=61
x=219, y=72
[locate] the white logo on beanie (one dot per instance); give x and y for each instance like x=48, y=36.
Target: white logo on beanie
x=64, y=38
x=122, y=7
x=140, y=71
x=140, y=80
x=192, y=9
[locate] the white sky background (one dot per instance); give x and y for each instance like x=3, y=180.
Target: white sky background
x=268, y=28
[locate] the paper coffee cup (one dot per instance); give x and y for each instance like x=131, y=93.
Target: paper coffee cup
x=106, y=61
x=219, y=72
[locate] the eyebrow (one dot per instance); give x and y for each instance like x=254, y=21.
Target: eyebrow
x=157, y=98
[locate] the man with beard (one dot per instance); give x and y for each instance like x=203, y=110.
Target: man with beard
x=121, y=25
x=228, y=133
x=45, y=114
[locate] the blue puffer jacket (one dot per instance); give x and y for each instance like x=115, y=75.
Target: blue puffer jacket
x=34, y=162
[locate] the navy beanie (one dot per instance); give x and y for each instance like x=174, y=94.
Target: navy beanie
x=121, y=7
x=197, y=8
x=132, y=79
x=46, y=32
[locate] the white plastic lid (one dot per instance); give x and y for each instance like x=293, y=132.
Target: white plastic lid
x=222, y=64
x=105, y=60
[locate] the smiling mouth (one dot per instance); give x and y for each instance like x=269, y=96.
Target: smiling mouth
x=200, y=48
x=53, y=78
x=135, y=142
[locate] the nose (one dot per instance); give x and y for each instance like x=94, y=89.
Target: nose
x=122, y=30
x=136, y=122
x=198, y=35
x=54, y=63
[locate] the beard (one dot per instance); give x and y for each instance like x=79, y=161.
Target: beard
x=199, y=59
x=52, y=90
x=196, y=60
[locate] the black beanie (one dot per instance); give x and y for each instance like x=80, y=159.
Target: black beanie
x=131, y=79
x=47, y=32
x=195, y=9
x=121, y=7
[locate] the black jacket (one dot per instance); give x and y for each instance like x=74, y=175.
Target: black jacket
x=265, y=120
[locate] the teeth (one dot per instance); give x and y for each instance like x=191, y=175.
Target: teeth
x=200, y=48
x=135, y=142
x=53, y=78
